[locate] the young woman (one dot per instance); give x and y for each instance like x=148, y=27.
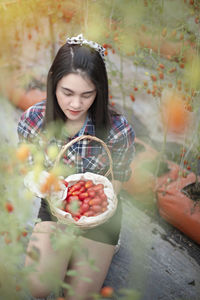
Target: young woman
x=77, y=97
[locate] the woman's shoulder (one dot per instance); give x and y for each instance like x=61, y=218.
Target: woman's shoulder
x=31, y=120
x=36, y=109
x=119, y=122
x=121, y=128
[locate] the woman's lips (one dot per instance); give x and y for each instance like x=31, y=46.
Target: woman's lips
x=74, y=112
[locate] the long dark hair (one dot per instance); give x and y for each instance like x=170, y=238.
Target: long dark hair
x=76, y=59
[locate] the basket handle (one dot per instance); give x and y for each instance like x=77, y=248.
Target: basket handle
x=79, y=138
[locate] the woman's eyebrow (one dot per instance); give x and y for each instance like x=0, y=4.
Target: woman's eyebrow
x=87, y=92
x=66, y=89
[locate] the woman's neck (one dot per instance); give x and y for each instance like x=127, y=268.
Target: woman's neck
x=73, y=127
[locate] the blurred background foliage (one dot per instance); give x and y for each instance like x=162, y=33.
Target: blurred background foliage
x=158, y=39
x=32, y=30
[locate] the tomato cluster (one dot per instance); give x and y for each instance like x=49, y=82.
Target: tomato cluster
x=84, y=198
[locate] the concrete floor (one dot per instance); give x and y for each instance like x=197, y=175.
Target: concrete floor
x=155, y=261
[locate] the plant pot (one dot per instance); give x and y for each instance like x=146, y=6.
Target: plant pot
x=24, y=99
x=179, y=209
x=142, y=181
x=169, y=176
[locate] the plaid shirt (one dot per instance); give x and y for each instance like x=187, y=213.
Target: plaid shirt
x=86, y=155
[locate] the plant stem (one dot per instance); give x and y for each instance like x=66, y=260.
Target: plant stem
x=121, y=76
x=52, y=37
x=86, y=16
x=161, y=155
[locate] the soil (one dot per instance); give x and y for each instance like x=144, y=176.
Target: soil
x=193, y=191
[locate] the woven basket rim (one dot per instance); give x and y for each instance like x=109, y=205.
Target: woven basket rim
x=93, y=220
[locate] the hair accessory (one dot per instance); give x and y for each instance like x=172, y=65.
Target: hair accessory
x=79, y=40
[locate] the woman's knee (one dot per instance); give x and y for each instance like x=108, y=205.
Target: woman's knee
x=38, y=289
x=46, y=262
x=38, y=294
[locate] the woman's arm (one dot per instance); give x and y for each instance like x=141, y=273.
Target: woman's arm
x=121, y=145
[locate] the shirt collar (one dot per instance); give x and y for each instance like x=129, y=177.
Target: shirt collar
x=89, y=129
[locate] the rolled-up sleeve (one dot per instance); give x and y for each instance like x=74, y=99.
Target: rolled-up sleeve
x=30, y=122
x=121, y=145
x=29, y=125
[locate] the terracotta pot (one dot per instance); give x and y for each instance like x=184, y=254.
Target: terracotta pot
x=168, y=177
x=142, y=181
x=178, y=209
x=24, y=100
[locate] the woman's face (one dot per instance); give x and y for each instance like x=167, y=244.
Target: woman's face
x=75, y=94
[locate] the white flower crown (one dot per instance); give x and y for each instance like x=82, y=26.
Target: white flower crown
x=79, y=40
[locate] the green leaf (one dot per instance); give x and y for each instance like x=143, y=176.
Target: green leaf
x=113, y=73
x=92, y=265
x=72, y=273
x=67, y=286
x=86, y=279
x=34, y=253
x=81, y=263
x=130, y=294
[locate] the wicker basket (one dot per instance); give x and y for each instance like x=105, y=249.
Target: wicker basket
x=88, y=222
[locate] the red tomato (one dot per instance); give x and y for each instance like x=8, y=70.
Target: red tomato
x=96, y=214
x=89, y=213
x=98, y=187
x=96, y=208
x=69, y=188
x=101, y=191
x=103, y=196
x=91, y=193
x=104, y=204
x=77, y=186
x=82, y=189
x=76, y=215
x=107, y=291
x=81, y=182
x=82, y=196
x=84, y=207
x=76, y=193
x=88, y=184
x=95, y=201
x=86, y=200
x=72, y=198
x=67, y=208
